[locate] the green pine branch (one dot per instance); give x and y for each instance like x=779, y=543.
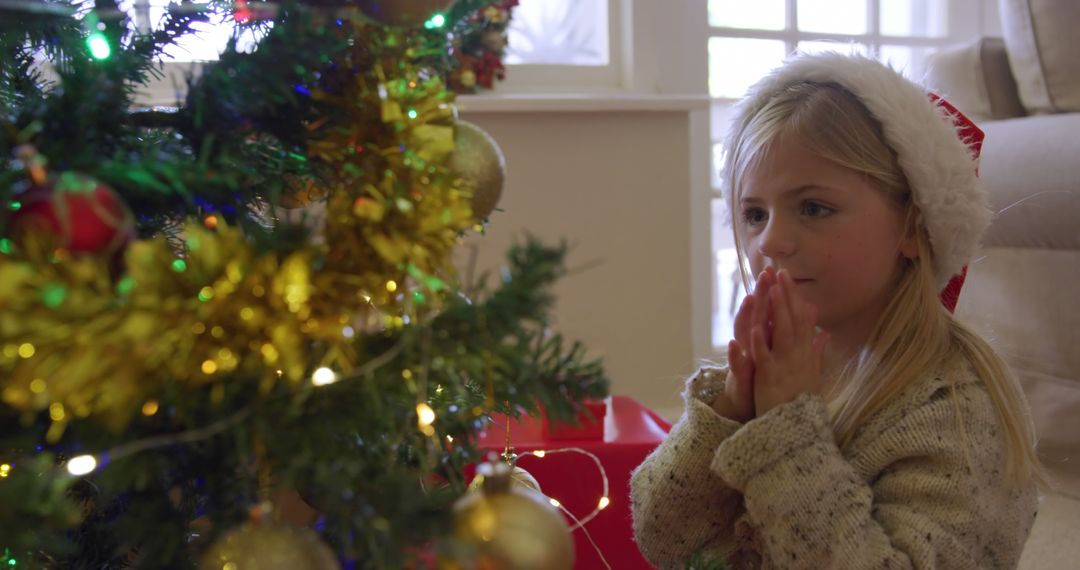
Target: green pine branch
x=352, y=449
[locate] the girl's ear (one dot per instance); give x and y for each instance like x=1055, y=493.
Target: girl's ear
x=909, y=248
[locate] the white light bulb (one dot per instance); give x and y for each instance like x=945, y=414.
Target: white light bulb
x=81, y=465
x=323, y=376
x=425, y=415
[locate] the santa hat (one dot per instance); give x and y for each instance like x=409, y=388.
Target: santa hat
x=936, y=146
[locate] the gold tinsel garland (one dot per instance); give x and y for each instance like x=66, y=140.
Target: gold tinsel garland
x=79, y=341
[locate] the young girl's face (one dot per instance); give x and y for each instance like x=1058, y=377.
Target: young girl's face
x=838, y=235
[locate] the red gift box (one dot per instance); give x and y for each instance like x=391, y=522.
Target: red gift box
x=589, y=423
x=629, y=432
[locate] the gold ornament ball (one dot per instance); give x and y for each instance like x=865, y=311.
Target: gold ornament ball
x=478, y=159
x=518, y=478
x=468, y=78
x=269, y=546
x=506, y=526
x=403, y=13
x=493, y=40
x=523, y=478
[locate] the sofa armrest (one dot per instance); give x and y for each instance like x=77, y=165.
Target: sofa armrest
x=1031, y=174
x=977, y=79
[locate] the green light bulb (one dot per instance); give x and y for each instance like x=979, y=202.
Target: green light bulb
x=99, y=46
x=436, y=21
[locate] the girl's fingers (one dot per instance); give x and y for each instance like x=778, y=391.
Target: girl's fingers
x=803, y=314
x=744, y=320
x=812, y=316
x=759, y=350
x=761, y=302
x=744, y=395
x=769, y=276
x=739, y=358
x=806, y=314
x=734, y=357
x=741, y=391
x=742, y=368
x=783, y=325
x=762, y=313
x=789, y=291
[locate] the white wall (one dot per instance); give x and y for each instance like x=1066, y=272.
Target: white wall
x=615, y=184
x=623, y=174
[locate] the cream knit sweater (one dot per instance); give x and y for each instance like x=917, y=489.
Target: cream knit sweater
x=777, y=492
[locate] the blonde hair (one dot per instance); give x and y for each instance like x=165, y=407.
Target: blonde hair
x=915, y=333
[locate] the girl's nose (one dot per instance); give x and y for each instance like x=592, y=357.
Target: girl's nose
x=777, y=240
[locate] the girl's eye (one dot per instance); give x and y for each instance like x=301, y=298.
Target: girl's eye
x=815, y=209
x=753, y=216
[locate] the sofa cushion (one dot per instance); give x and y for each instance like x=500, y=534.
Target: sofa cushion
x=1020, y=300
x=976, y=78
x=998, y=79
x=1045, y=57
x=1021, y=290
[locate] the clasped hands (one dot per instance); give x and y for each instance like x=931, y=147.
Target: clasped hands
x=777, y=352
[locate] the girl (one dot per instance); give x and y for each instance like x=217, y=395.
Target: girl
x=857, y=424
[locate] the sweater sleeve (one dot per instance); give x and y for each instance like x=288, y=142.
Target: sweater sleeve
x=679, y=504
x=927, y=508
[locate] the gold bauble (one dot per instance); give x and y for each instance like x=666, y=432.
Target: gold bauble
x=493, y=40
x=518, y=478
x=403, y=13
x=506, y=526
x=468, y=78
x=478, y=159
x=269, y=546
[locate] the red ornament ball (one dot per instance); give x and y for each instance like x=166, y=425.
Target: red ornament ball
x=76, y=213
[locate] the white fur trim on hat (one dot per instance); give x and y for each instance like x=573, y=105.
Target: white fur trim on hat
x=938, y=165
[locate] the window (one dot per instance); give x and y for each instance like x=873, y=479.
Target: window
x=564, y=45
x=554, y=45
x=747, y=39
x=205, y=43
x=559, y=32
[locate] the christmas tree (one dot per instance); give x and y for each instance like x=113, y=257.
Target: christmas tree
x=185, y=344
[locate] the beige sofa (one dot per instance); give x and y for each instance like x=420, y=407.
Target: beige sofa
x=1024, y=92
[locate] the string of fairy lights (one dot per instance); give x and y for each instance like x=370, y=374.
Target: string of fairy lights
x=86, y=464
x=601, y=504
